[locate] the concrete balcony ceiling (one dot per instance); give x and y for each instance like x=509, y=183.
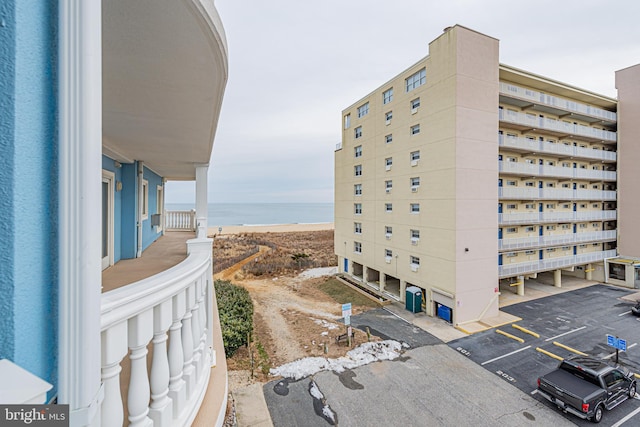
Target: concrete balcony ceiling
x=164, y=65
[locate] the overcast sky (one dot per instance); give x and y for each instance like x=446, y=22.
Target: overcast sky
x=294, y=65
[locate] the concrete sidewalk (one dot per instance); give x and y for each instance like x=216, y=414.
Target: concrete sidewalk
x=251, y=408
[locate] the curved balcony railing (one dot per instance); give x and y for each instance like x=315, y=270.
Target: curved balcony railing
x=178, y=303
x=556, y=149
x=571, y=216
x=510, y=89
x=510, y=270
x=558, y=126
x=555, y=240
x=521, y=168
x=528, y=193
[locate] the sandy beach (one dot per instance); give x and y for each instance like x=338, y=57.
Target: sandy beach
x=275, y=228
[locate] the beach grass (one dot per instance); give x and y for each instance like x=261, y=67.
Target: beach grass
x=343, y=294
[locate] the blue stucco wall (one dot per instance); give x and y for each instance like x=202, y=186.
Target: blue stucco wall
x=28, y=178
x=109, y=165
x=149, y=235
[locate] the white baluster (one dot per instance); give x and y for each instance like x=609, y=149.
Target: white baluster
x=160, y=410
x=203, y=323
x=114, y=349
x=195, y=331
x=140, y=333
x=177, y=391
x=188, y=372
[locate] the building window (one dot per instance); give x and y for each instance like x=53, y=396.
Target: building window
x=388, y=185
x=414, y=260
x=415, y=207
x=357, y=151
x=388, y=253
x=388, y=139
x=415, y=104
x=583, y=185
x=512, y=159
x=357, y=189
x=388, y=162
x=550, y=206
x=529, y=229
x=388, y=116
x=415, y=234
x=357, y=227
x=583, y=206
x=595, y=205
x=415, y=156
x=387, y=96
x=388, y=207
x=415, y=182
x=530, y=206
x=145, y=199
x=529, y=184
x=583, y=225
x=512, y=230
x=551, y=184
x=357, y=132
x=529, y=252
x=565, y=226
x=388, y=231
x=566, y=206
x=511, y=254
x=566, y=185
x=512, y=206
x=357, y=247
x=416, y=80
x=512, y=183
x=357, y=169
x=347, y=121
x=550, y=227
x=551, y=249
x=415, y=129
x=363, y=110
x=357, y=208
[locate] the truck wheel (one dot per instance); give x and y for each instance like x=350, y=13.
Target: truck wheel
x=632, y=391
x=597, y=414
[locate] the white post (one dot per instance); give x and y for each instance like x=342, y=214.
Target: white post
x=140, y=333
x=176, y=358
x=114, y=349
x=201, y=200
x=80, y=166
x=188, y=372
x=160, y=410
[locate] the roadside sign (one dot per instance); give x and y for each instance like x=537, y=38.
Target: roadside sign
x=346, y=310
x=347, y=320
x=617, y=343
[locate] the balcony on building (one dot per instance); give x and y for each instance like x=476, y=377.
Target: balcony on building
x=560, y=150
x=537, y=266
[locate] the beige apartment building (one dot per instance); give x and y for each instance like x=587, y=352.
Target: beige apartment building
x=465, y=177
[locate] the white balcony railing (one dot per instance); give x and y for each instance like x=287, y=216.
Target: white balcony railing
x=557, y=102
x=571, y=216
x=555, y=240
x=180, y=220
x=535, y=122
x=177, y=302
x=521, y=168
x=529, y=193
x=559, y=149
x=510, y=270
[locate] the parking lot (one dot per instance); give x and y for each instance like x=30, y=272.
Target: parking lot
x=556, y=327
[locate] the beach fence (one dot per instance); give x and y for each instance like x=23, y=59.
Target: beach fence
x=180, y=220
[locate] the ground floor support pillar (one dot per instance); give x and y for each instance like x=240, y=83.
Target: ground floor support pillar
x=365, y=274
x=403, y=291
x=382, y=281
x=557, y=278
x=520, y=286
x=589, y=272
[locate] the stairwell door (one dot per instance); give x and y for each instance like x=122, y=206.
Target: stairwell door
x=108, y=186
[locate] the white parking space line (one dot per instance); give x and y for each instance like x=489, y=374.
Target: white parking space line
x=534, y=392
x=627, y=418
x=505, y=355
x=566, y=333
x=613, y=354
x=626, y=312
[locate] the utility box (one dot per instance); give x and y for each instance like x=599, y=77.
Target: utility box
x=413, y=299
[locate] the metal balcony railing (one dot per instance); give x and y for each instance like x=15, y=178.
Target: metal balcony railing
x=529, y=193
x=571, y=216
x=522, y=168
x=510, y=270
x=555, y=240
x=559, y=149
x=535, y=122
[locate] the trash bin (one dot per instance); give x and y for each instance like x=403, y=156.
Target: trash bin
x=413, y=299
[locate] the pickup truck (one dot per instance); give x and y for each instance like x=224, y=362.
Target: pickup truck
x=586, y=387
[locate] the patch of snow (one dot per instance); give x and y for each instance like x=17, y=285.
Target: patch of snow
x=328, y=413
x=359, y=356
x=325, y=324
x=325, y=333
x=312, y=273
x=315, y=391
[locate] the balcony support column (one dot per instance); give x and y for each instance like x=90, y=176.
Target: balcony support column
x=202, y=208
x=589, y=272
x=520, y=286
x=557, y=278
x=403, y=291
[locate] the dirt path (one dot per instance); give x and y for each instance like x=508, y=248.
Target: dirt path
x=230, y=272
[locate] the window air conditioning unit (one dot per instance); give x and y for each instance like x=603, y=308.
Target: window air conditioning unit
x=414, y=267
x=414, y=241
x=414, y=189
x=414, y=163
x=387, y=260
x=387, y=236
x=388, y=122
x=388, y=167
x=387, y=190
x=414, y=110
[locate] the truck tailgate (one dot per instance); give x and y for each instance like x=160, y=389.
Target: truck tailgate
x=567, y=387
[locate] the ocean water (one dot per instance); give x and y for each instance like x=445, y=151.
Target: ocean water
x=263, y=213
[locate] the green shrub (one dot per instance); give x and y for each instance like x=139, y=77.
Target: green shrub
x=236, y=315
